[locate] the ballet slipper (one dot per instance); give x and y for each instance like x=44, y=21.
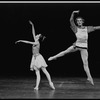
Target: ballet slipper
x=52, y=86
x=91, y=81
x=50, y=58
x=36, y=88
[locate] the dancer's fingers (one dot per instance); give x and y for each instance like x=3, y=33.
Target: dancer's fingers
x=17, y=42
x=77, y=11
x=30, y=22
x=31, y=69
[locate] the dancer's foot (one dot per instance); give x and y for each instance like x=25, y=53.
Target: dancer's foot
x=91, y=81
x=52, y=58
x=52, y=86
x=36, y=88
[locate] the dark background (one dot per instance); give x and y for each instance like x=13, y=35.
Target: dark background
x=52, y=21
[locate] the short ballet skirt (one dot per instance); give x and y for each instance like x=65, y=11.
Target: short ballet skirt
x=38, y=62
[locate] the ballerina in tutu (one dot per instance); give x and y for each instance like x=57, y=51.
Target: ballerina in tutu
x=38, y=61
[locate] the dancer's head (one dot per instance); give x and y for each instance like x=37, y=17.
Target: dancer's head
x=38, y=37
x=79, y=21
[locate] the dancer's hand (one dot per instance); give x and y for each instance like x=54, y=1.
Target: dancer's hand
x=77, y=11
x=18, y=41
x=31, y=69
x=30, y=22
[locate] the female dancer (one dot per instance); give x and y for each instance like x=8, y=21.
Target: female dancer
x=38, y=61
x=81, y=33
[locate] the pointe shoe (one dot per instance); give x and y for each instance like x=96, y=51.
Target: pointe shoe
x=36, y=88
x=50, y=58
x=52, y=86
x=91, y=81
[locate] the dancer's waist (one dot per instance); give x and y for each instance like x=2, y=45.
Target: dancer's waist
x=36, y=54
x=81, y=40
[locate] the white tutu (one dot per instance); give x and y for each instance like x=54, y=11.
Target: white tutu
x=38, y=62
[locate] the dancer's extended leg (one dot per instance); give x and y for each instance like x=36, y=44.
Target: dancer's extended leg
x=48, y=77
x=70, y=49
x=84, y=55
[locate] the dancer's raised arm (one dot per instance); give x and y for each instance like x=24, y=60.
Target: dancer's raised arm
x=24, y=42
x=73, y=26
x=97, y=27
x=33, y=30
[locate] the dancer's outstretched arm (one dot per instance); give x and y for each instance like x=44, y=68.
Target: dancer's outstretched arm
x=33, y=30
x=93, y=28
x=96, y=27
x=24, y=42
x=62, y=53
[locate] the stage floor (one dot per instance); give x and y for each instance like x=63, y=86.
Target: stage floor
x=66, y=88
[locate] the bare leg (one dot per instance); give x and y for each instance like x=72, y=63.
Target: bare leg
x=48, y=77
x=84, y=55
x=37, y=71
x=70, y=49
x=32, y=63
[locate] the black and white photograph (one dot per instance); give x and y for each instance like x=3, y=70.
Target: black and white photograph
x=50, y=50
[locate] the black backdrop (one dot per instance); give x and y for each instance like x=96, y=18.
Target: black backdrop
x=51, y=20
